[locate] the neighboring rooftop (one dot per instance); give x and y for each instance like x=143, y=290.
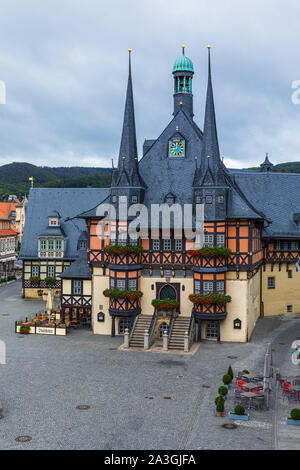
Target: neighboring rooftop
x=68, y=202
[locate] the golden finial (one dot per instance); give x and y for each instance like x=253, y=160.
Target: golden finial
x=208, y=156
x=208, y=47
x=183, y=47
x=129, y=50
x=180, y=102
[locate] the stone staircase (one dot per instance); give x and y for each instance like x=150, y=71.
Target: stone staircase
x=142, y=323
x=180, y=326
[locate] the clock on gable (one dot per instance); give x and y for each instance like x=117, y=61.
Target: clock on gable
x=176, y=147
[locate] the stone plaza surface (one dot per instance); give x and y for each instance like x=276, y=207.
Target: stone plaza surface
x=137, y=400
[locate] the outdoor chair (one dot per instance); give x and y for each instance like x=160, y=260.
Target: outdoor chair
x=259, y=402
x=241, y=384
x=291, y=395
x=286, y=386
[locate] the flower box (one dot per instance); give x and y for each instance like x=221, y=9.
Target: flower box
x=123, y=294
x=210, y=298
x=210, y=252
x=123, y=249
x=296, y=422
x=242, y=417
x=165, y=304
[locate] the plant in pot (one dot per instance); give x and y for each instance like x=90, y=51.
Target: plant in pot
x=219, y=401
x=245, y=371
x=226, y=380
x=223, y=391
x=25, y=329
x=230, y=372
x=294, y=418
x=239, y=413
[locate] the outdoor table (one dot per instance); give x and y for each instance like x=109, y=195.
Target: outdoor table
x=252, y=377
x=252, y=385
x=297, y=388
x=249, y=376
x=248, y=395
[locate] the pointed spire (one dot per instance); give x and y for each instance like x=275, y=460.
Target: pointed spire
x=210, y=146
x=128, y=146
x=266, y=165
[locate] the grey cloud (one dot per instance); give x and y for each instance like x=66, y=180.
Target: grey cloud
x=65, y=68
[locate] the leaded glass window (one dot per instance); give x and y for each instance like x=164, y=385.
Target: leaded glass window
x=77, y=287
x=208, y=286
x=121, y=284
x=156, y=244
x=211, y=330
x=167, y=244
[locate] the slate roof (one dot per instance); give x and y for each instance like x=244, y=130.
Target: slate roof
x=277, y=195
x=68, y=202
x=79, y=269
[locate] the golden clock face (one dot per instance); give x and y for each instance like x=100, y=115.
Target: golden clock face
x=176, y=148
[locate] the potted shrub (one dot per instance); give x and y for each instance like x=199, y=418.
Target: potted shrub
x=239, y=413
x=223, y=391
x=294, y=418
x=219, y=401
x=226, y=380
x=25, y=329
x=230, y=372
x=245, y=371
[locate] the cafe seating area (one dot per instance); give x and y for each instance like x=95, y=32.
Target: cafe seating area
x=248, y=390
x=56, y=319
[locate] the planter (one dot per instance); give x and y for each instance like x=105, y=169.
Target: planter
x=241, y=417
x=295, y=422
x=219, y=414
x=210, y=252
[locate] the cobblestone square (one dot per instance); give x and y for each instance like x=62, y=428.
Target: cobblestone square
x=136, y=400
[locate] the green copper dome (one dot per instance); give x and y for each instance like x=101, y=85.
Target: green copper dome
x=183, y=63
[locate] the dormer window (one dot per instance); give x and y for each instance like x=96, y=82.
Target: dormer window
x=170, y=199
x=54, y=222
x=134, y=199
x=82, y=244
x=51, y=247
x=198, y=199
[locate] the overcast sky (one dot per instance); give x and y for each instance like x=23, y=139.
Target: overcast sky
x=65, y=66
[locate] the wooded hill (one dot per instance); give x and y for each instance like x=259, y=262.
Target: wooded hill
x=14, y=178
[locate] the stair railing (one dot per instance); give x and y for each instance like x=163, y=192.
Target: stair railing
x=171, y=327
x=191, y=330
x=132, y=328
x=152, y=328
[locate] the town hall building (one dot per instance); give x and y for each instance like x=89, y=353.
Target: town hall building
x=246, y=268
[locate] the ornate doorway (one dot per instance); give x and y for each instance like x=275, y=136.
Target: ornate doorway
x=167, y=292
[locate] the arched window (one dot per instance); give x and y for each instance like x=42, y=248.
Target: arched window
x=167, y=292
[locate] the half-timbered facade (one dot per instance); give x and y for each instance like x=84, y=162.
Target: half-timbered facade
x=159, y=283
x=8, y=245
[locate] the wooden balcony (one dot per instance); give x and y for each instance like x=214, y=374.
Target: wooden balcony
x=124, y=307
x=277, y=256
x=210, y=312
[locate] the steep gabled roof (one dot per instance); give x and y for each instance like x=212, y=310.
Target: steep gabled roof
x=68, y=202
